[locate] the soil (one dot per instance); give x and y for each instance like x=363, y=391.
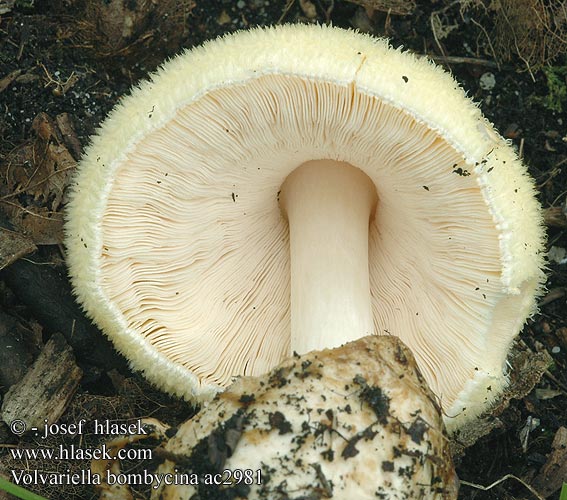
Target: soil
x=63, y=66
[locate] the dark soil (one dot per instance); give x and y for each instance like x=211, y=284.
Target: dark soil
x=67, y=56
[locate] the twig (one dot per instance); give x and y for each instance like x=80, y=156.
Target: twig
x=27, y=187
x=550, y=175
x=434, y=31
x=551, y=377
x=560, y=195
x=551, y=296
x=465, y=60
x=287, y=8
x=518, y=51
x=501, y=480
x=28, y=211
x=481, y=27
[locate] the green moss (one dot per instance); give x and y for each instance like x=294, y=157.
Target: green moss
x=25, y=4
x=556, y=99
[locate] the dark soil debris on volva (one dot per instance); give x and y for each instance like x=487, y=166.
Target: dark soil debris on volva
x=65, y=63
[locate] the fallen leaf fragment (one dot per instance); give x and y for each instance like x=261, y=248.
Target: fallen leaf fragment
x=37, y=175
x=554, y=473
x=13, y=246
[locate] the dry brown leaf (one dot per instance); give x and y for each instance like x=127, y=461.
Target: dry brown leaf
x=13, y=245
x=42, y=227
x=554, y=473
x=527, y=369
x=308, y=9
x=119, y=27
x=398, y=7
x=36, y=177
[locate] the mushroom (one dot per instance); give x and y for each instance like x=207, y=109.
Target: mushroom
x=349, y=422
x=403, y=211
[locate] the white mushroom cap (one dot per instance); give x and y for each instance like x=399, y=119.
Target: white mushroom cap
x=178, y=249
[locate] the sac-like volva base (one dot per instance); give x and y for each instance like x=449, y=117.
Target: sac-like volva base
x=356, y=422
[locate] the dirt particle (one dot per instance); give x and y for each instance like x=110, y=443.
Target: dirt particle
x=462, y=172
x=278, y=421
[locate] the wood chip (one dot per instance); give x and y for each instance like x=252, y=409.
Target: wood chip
x=543, y=394
x=47, y=294
x=45, y=390
x=224, y=18
x=554, y=473
x=552, y=295
x=16, y=346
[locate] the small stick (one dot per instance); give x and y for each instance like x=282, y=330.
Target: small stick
x=465, y=60
x=501, y=480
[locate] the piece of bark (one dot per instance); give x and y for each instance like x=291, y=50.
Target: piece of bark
x=554, y=473
x=15, y=351
x=46, y=389
x=48, y=296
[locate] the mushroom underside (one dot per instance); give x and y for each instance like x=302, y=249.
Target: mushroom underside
x=201, y=269
x=178, y=248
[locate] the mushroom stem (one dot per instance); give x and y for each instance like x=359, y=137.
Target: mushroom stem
x=328, y=205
